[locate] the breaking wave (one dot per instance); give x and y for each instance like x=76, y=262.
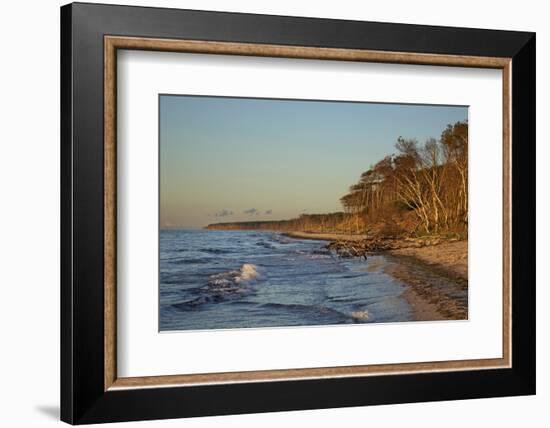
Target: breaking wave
x=247, y=272
x=223, y=286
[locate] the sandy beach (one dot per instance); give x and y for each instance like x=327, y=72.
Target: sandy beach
x=451, y=257
x=435, y=270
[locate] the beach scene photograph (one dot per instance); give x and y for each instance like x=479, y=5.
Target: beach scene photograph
x=294, y=213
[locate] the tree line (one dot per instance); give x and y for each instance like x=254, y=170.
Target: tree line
x=330, y=222
x=421, y=188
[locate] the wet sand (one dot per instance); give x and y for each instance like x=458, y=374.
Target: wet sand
x=436, y=274
x=438, y=279
x=451, y=257
x=434, y=291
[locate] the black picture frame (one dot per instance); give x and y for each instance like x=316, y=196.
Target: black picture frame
x=83, y=398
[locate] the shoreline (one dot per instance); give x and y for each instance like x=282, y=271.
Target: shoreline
x=435, y=271
x=325, y=236
x=433, y=290
x=447, y=256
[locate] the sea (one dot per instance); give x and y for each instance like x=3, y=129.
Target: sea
x=213, y=279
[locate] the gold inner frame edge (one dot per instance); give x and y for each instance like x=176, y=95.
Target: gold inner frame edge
x=113, y=43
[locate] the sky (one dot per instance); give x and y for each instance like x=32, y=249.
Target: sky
x=241, y=159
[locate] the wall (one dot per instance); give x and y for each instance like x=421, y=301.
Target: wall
x=29, y=229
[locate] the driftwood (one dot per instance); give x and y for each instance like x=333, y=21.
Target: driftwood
x=348, y=249
x=378, y=244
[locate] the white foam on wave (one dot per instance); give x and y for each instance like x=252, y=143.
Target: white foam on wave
x=229, y=280
x=360, y=315
x=248, y=272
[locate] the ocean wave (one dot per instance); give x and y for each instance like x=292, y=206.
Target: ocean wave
x=324, y=251
x=311, y=310
x=184, y=261
x=320, y=254
x=194, y=304
x=247, y=272
x=358, y=316
x=281, y=239
x=265, y=245
x=215, y=250
x=223, y=286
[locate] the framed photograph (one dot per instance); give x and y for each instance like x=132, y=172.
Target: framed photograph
x=266, y=213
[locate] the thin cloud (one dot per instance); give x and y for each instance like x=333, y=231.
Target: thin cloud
x=223, y=213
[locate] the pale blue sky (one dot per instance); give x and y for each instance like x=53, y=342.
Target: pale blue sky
x=237, y=159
